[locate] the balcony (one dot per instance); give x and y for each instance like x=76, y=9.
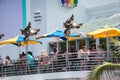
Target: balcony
x=59, y=63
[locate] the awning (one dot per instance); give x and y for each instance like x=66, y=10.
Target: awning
x=113, y=21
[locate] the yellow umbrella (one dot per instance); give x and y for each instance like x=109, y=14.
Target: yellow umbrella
x=14, y=40
x=30, y=42
x=104, y=32
x=19, y=41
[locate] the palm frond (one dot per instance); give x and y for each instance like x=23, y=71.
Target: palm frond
x=97, y=72
x=115, y=44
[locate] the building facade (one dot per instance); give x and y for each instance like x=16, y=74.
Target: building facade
x=52, y=16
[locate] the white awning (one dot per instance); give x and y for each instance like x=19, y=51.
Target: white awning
x=113, y=21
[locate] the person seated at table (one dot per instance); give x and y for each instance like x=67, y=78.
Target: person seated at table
x=7, y=65
x=23, y=59
x=53, y=54
x=100, y=51
x=8, y=61
x=93, y=49
x=30, y=58
x=54, y=51
x=100, y=54
x=21, y=63
x=100, y=48
x=73, y=48
x=44, y=57
x=83, y=49
x=83, y=56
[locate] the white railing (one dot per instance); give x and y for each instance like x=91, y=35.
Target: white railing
x=59, y=63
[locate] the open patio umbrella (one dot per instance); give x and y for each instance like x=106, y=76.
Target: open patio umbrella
x=14, y=40
x=105, y=32
x=19, y=41
x=60, y=34
x=31, y=40
x=57, y=33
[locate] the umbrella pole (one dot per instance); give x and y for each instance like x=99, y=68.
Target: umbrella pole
x=26, y=45
x=107, y=44
x=67, y=46
x=57, y=45
x=107, y=40
x=19, y=49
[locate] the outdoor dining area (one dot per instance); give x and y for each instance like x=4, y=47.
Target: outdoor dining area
x=64, y=59
x=69, y=52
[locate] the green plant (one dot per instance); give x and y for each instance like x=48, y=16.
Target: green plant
x=115, y=47
x=97, y=71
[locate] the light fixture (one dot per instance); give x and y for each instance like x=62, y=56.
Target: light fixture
x=29, y=31
x=76, y=25
x=69, y=24
x=34, y=31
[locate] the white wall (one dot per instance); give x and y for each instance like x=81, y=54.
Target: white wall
x=56, y=14
x=59, y=75
x=94, y=3
x=39, y=5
